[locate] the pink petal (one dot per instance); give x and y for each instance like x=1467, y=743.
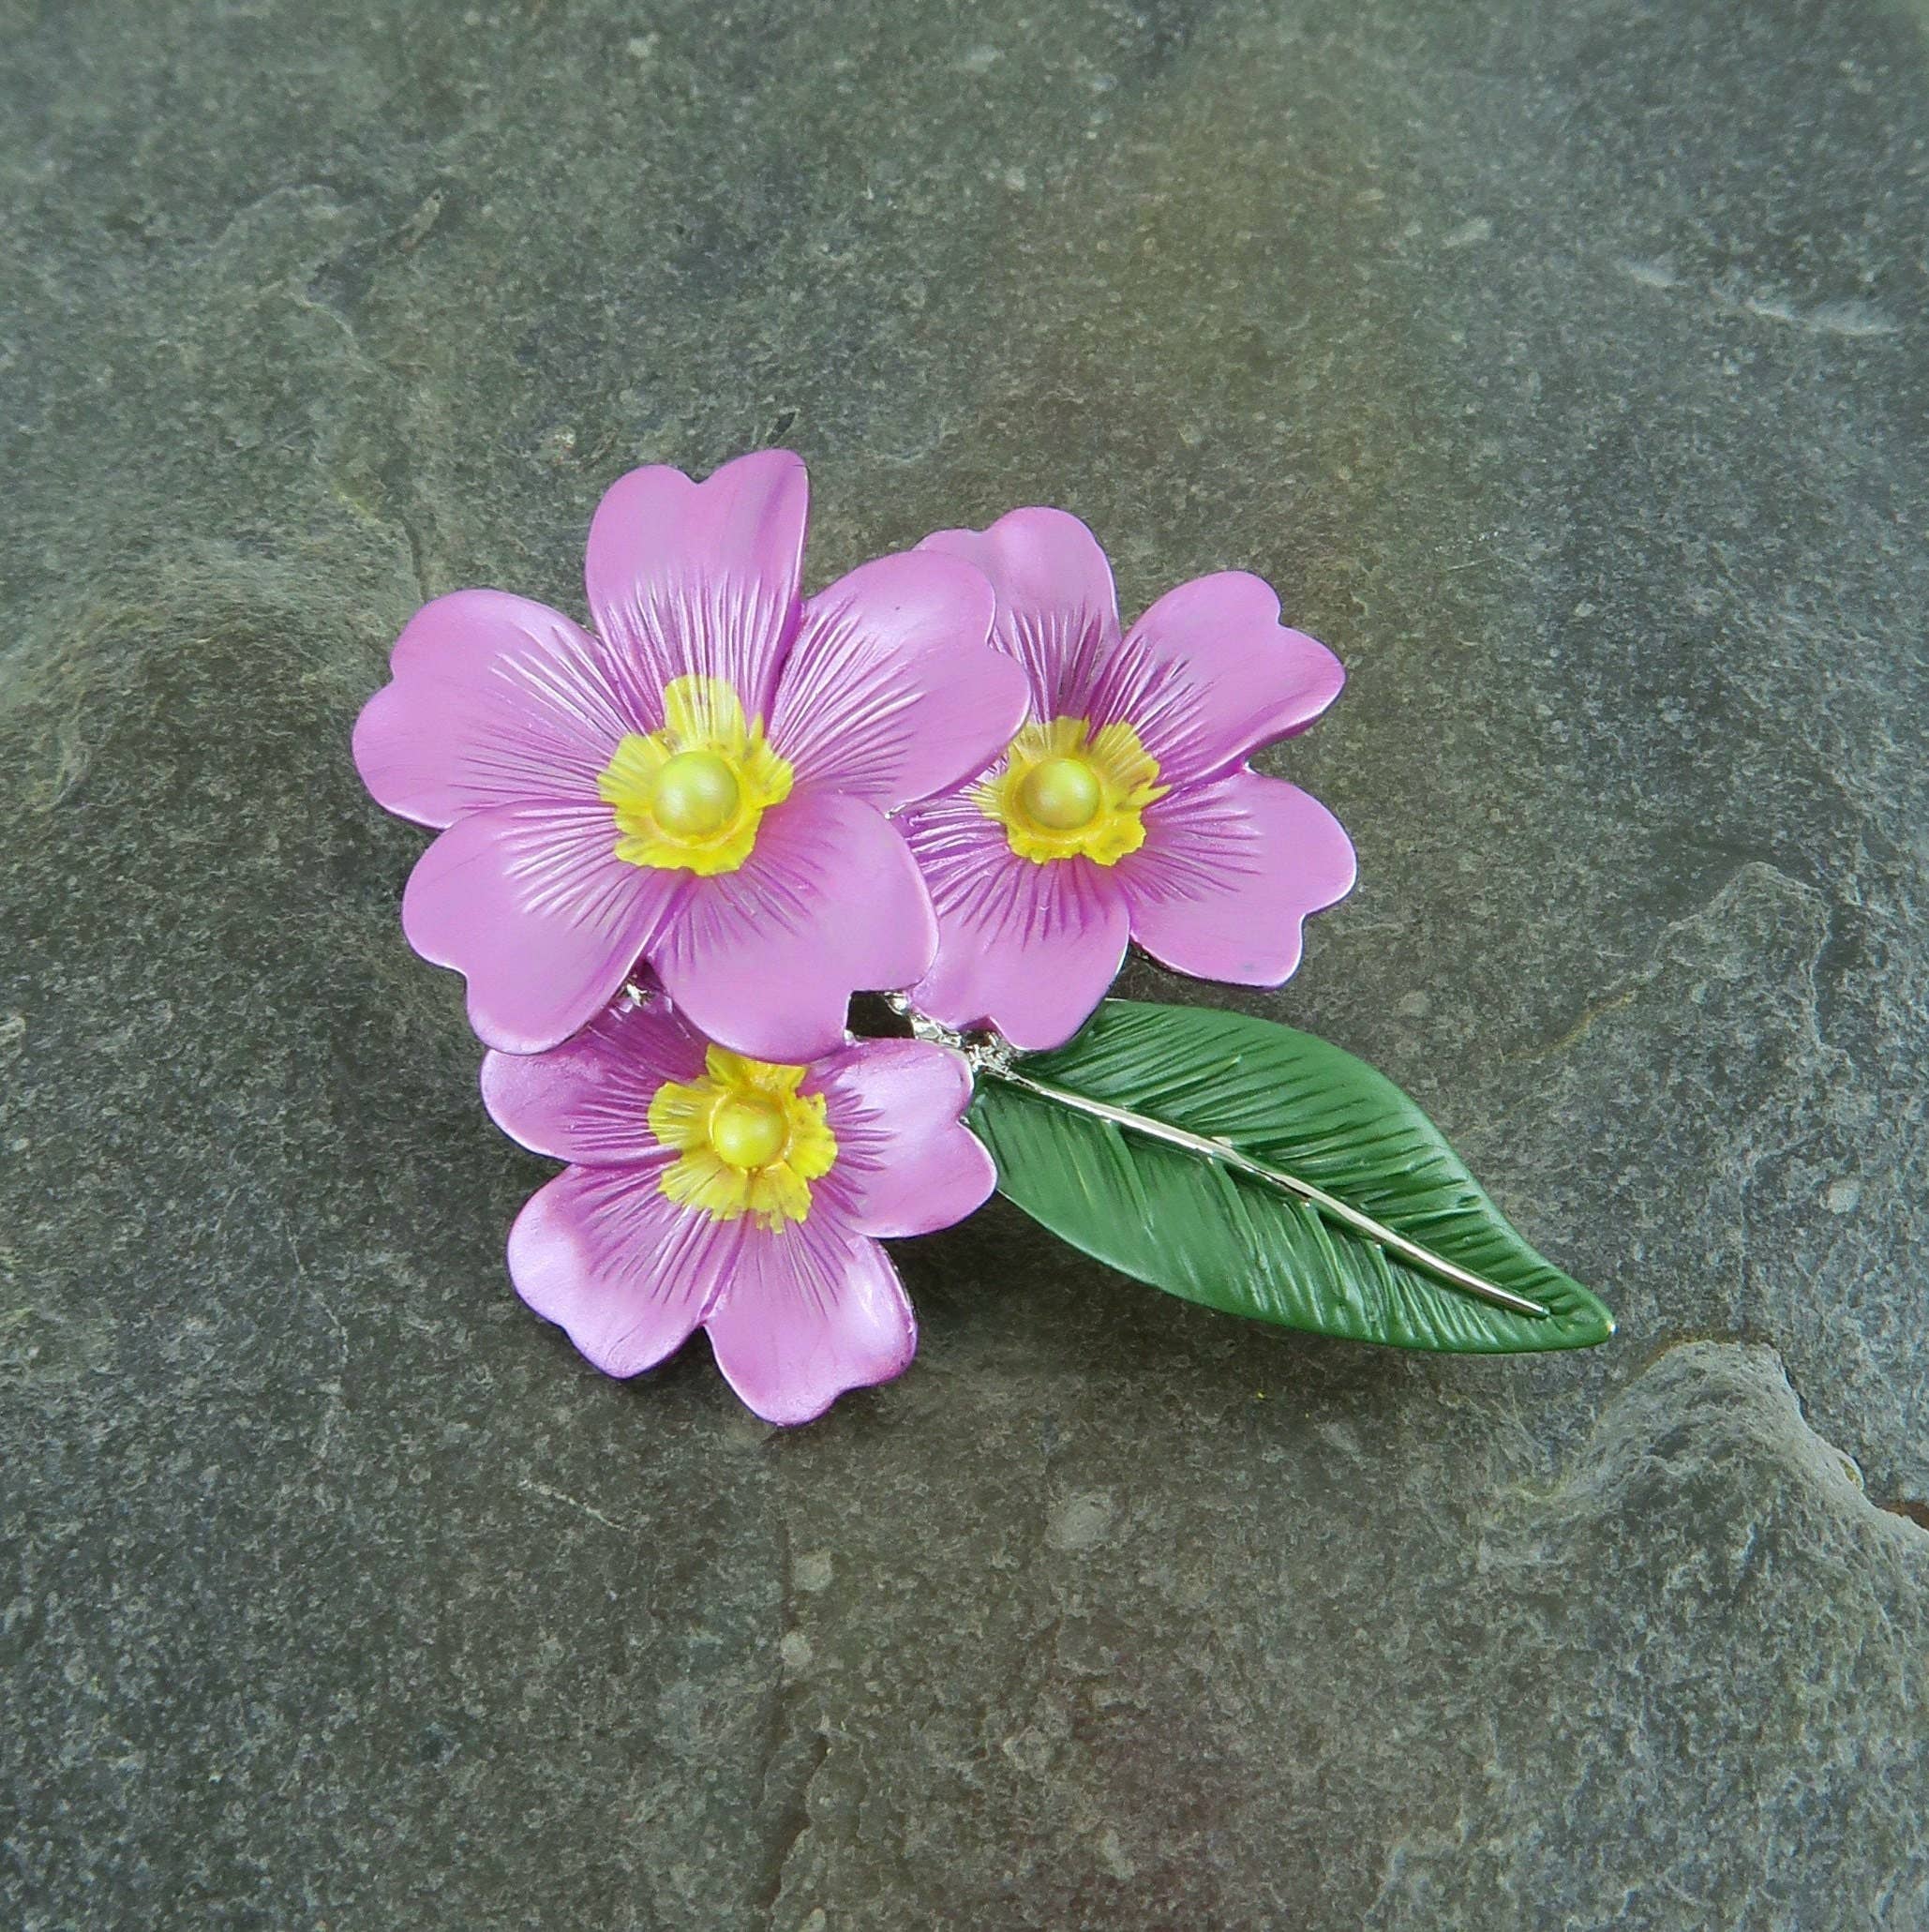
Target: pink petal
x=530, y=903
x=890, y=692
x=701, y=578
x=1228, y=871
x=905, y=1166
x=1057, y=612
x=1209, y=673
x=810, y=1312
x=493, y=700
x=1026, y=948
x=765, y=959
x=625, y=1269
x=588, y=1099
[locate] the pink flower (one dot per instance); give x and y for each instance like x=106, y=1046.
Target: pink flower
x=702, y=783
x=1124, y=808
x=746, y=1198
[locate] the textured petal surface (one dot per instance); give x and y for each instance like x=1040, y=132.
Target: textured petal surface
x=588, y=1099
x=1057, y=613
x=1210, y=672
x=891, y=691
x=528, y=903
x=1030, y=949
x=905, y=1163
x=765, y=959
x=700, y=578
x=493, y=700
x=1228, y=873
x=628, y=1273
x=809, y=1313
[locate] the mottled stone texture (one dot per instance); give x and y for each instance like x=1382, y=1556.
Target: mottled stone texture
x=1565, y=366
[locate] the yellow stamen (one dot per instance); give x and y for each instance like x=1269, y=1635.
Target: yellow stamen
x=747, y=1141
x=750, y=1131
x=692, y=794
x=1061, y=794
x=1065, y=791
x=695, y=795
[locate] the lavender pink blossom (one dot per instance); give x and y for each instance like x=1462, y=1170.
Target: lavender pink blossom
x=1124, y=809
x=700, y=783
x=708, y=1190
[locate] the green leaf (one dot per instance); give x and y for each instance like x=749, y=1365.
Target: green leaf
x=1189, y=1224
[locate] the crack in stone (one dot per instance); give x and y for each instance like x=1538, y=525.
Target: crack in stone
x=589, y=1509
x=790, y=1763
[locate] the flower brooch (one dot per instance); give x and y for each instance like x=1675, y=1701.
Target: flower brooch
x=671, y=847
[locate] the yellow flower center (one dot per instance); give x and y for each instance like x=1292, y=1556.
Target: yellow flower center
x=692, y=794
x=1065, y=791
x=749, y=1132
x=695, y=795
x=747, y=1141
x=1062, y=794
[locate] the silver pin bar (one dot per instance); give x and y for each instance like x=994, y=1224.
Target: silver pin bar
x=999, y=1067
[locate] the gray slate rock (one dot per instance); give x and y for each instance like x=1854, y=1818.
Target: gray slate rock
x=1566, y=369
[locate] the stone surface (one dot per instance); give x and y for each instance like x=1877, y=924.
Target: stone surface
x=1565, y=368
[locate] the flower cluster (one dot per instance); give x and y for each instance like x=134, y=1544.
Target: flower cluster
x=951, y=773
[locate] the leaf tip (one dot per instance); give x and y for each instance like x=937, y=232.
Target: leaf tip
x=1599, y=1328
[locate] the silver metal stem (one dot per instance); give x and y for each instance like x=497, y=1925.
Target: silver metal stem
x=998, y=1066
